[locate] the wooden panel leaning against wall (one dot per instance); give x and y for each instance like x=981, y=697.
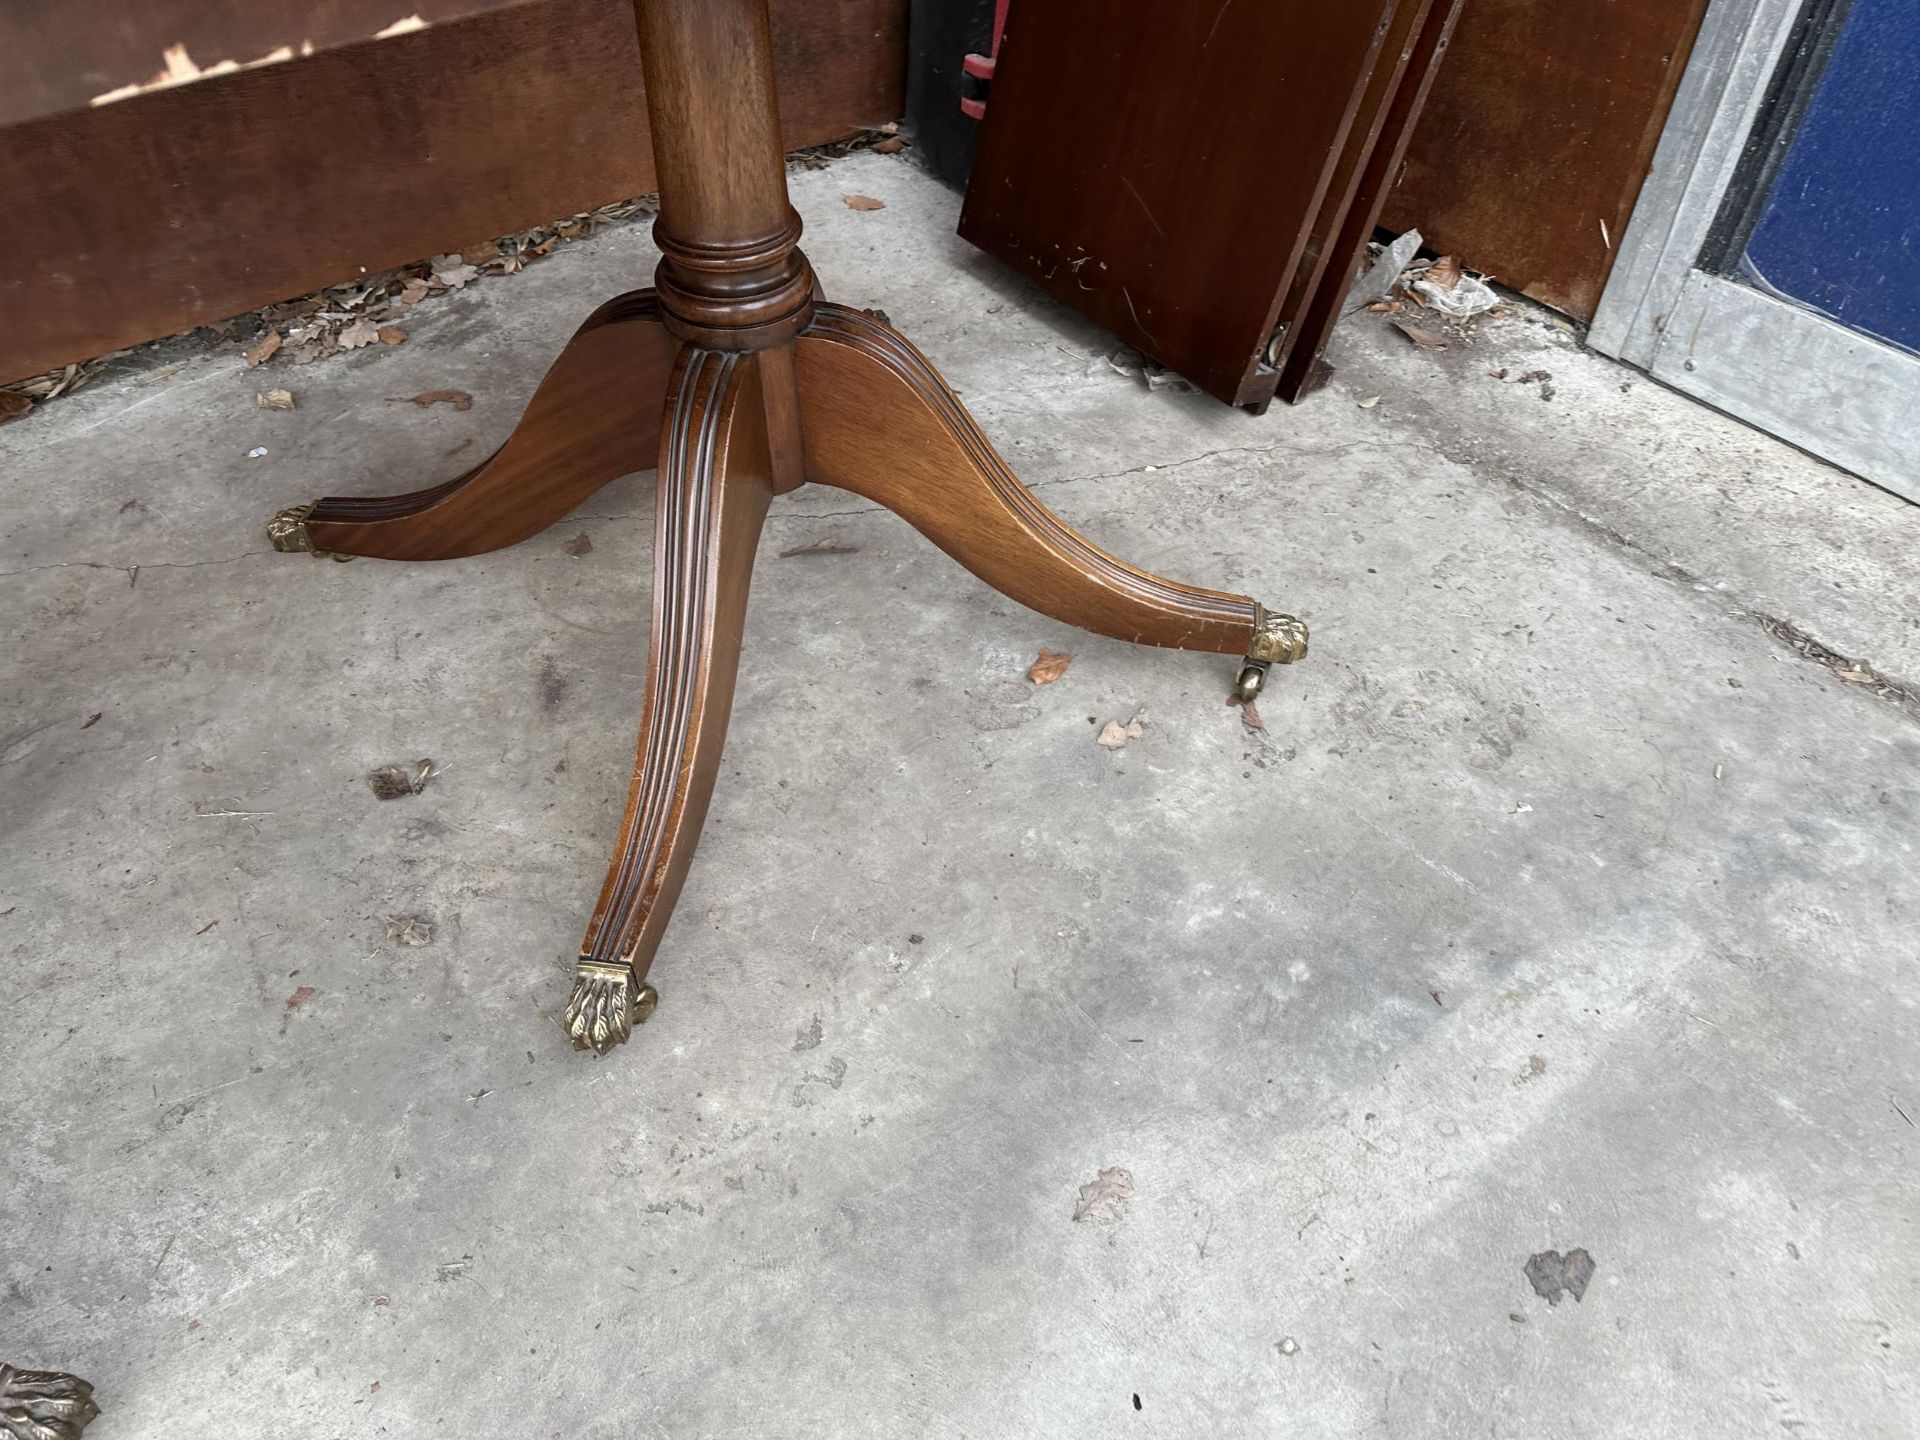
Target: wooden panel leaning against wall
x=1538, y=135
x=154, y=214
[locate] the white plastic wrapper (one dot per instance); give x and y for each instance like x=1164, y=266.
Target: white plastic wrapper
x=1468, y=297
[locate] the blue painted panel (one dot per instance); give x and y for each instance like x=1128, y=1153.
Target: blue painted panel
x=1841, y=230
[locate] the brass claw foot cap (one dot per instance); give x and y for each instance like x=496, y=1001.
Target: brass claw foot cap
x=607, y=1002
x=44, y=1404
x=288, y=533
x=1277, y=640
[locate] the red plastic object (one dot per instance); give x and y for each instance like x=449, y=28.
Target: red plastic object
x=980, y=67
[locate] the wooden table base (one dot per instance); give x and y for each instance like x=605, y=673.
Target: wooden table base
x=741, y=384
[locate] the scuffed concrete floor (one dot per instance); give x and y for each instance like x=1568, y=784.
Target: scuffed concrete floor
x=1559, y=905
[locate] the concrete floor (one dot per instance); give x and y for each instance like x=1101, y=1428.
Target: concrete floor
x=1559, y=905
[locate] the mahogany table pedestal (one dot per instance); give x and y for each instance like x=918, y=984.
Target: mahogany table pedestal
x=745, y=385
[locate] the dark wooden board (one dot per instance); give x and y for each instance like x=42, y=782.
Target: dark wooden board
x=1324, y=254
x=1540, y=129
x=69, y=54
x=1424, y=43
x=1159, y=164
x=151, y=215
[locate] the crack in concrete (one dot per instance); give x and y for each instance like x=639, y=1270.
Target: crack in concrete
x=1903, y=695
x=134, y=570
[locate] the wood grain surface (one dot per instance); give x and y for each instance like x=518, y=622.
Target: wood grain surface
x=156, y=214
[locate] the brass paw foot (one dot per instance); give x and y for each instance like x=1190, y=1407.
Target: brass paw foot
x=607, y=1002
x=44, y=1404
x=1277, y=640
x=288, y=533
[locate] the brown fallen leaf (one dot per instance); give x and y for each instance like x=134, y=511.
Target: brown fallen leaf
x=863, y=202
x=459, y=399
x=274, y=400
x=414, y=291
x=1386, y=307
x=1049, y=666
x=262, y=349
x=361, y=332
x=93, y=719
x=391, y=335
x=1425, y=339
x=13, y=405
x=1445, y=272
x=1112, y=735
x=1250, y=716
x=1854, y=675
x=206, y=927
x=480, y=254
x=581, y=544
x=1104, y=1198
x=300, y=997
x=390, y=782
x=888, y=146
x=1499, y=374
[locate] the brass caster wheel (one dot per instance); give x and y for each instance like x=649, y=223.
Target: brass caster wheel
x=607, y=1002
x=1252, y=677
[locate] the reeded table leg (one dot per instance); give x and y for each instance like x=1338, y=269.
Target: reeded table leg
x=715, y=481
x=878, y=420
x=595, y=417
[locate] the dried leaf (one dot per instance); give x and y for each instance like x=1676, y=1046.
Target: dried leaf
x=1049, y=666
x=390, y=782
x=274, y=400
x=480, y=254
x=13, y=405
x=1113, y=735
x=300, y=997
x=391, y=335
x=888, y=146
x=262, y=349
x=410, y=929
x=581, y=544
x=1370, y=402
x=362, y=332
x=1386, y=307
x=452, y=271
x=1444, y=272
x=459, y=399
x=1425, y=339
x=93, y=719
x=863, y=202
x=414, y=291
x=1104, y=1198
x=1250, y=716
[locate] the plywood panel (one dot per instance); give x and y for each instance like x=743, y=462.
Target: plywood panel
x=1538, y=134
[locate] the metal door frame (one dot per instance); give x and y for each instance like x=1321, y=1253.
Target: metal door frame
x=1849, y=399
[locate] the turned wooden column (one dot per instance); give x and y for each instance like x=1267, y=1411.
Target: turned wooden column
x=731, y=276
